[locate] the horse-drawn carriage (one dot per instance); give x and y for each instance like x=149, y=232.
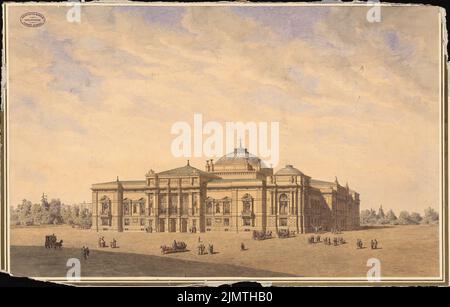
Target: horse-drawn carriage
x=261, y=235
x=51, y=242
x=285, y=233
x=174, y=248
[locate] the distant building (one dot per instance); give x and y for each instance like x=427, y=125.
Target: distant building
x=237, y=193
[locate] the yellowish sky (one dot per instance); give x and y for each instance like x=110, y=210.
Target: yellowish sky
x=93, y=100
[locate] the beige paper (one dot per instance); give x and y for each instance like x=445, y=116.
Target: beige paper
x=289, y=144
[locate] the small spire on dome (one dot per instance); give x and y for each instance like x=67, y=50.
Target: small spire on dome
x=187, y=162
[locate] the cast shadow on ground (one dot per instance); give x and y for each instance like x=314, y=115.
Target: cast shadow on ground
x=38, y=261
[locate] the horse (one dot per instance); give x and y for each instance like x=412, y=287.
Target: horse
x=58, y=244
x=164, y=249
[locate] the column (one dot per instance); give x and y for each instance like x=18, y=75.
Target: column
x=236, y=208
x=302, y=207
x=156, y=206
x=276, y=209
x=297, y=217
x=190, y=213
x=149, y=201
x=190, y=202
x=168, y=208
x=180, y=199
x=95, y=210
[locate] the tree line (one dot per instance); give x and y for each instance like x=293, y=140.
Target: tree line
x=52, y=212
x=372, y=217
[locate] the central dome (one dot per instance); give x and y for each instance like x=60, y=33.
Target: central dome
x=240, y=156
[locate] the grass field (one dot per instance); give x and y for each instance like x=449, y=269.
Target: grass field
x=404, y=251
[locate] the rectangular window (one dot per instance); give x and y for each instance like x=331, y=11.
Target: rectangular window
x=142, y=222
x=208, y=222
x=105, y=221
x=163, y=204
x=226, y=207
x=247, y=222
x=126, y=222
x=173, y=204
x=283, y=222
x=226, y=222
x=209, y=207
x=184, y=204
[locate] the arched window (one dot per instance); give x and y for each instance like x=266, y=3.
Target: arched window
x=126, y=206
x=141, y=203
x=106, y=205
x=284, y=204
x=226, y=206
x=247, y=203
x=209, y=205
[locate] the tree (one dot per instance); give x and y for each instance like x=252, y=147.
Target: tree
x=404, y=218
x=391, y=218
x=380, y=215
x=85, y=218
x=24, y=213
x=67, y=214
x=369, y=217
x=415, y=218
x=14, y=216
x=430, y=216
x=54, y=209
x=36, y=214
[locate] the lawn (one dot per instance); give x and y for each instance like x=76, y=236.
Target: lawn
x=404, y=251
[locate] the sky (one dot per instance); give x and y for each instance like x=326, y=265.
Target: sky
x=94, y=100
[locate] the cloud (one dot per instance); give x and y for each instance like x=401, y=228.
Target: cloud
x=354, y=99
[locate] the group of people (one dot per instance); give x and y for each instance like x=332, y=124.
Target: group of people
x=202, y=248
x=203, y=251
x=327, y=240
x=374, y=244
x=336, y=241
x=102, y=243
x=314, y=239
x=85, y=252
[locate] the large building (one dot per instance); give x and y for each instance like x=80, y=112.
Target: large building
x=236, y=193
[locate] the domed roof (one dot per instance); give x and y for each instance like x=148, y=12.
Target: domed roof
x=240, y=155
x=288, y=170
